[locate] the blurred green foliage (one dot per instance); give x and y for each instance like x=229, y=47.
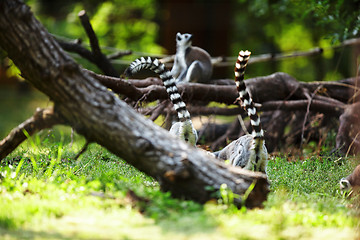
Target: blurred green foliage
x=292, y=25
x=335, y=19
x=118, y=24
x=262, y=26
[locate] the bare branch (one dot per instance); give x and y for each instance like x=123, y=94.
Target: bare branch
x=316, y=105
x=76, y=47
x=42, y=119
x=119, y=54
x=101, y=60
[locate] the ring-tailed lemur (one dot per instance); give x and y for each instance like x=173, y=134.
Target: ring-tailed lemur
x=351, y=182
x=248, y=151
x=192, y=64
x=184, y=128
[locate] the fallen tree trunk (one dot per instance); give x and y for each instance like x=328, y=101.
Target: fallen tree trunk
x=93, y=111
x=278, y=86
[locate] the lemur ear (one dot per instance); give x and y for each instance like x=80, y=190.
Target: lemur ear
x=178, y=34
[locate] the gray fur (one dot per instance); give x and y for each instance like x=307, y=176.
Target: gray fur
x=239, y=153
x=192, y=64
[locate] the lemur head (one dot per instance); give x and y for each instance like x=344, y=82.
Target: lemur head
x=345, y=185
x=186, y=131
x=351, y=182
x=183, y=40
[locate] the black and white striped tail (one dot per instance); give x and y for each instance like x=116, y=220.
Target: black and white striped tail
x=159, y=68
x=248, y=104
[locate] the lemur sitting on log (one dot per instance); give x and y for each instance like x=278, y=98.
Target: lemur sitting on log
x=192, y=64
x=249, y=151
x=184, y=129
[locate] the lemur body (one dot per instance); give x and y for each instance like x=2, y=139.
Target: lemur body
x=192, y=64
x=248, y=151
x=351, y=182
x=184, y=128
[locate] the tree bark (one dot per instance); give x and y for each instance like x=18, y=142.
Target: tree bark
x=93, y=111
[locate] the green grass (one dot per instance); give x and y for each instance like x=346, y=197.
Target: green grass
x=45, y=194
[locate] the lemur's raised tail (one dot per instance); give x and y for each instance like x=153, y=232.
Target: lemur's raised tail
x=184, y=128
x=248, y=151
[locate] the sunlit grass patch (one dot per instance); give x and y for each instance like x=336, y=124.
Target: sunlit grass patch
x=47, y=194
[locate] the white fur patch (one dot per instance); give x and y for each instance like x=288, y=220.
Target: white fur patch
x=245, y=53
x=171, y=89
x=174, y=96
x=252, y=111
x=186, y=114
x=160, y=68
x=179, y=105
x=156, y=62
x=247, y=101
x=255, y=123
x=257, y=134
x=166, y=74
x=242, y=93
x=169, y=82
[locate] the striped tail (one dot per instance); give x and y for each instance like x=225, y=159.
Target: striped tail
x=159, y=68
x=249, y=106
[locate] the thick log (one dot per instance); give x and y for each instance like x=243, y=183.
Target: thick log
x=102, y=117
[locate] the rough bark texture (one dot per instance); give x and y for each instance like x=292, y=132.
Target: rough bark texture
x=86, y=105
x=278, y=86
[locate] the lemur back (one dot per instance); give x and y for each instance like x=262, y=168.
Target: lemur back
x=248, y=151
x=184, y=128
x=192, y=64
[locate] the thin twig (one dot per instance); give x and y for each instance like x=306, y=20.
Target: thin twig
x=158, y=110
x=310, y=99
x=242, y=124
x=84, y=148
x=119, y=54
x=351, y=144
